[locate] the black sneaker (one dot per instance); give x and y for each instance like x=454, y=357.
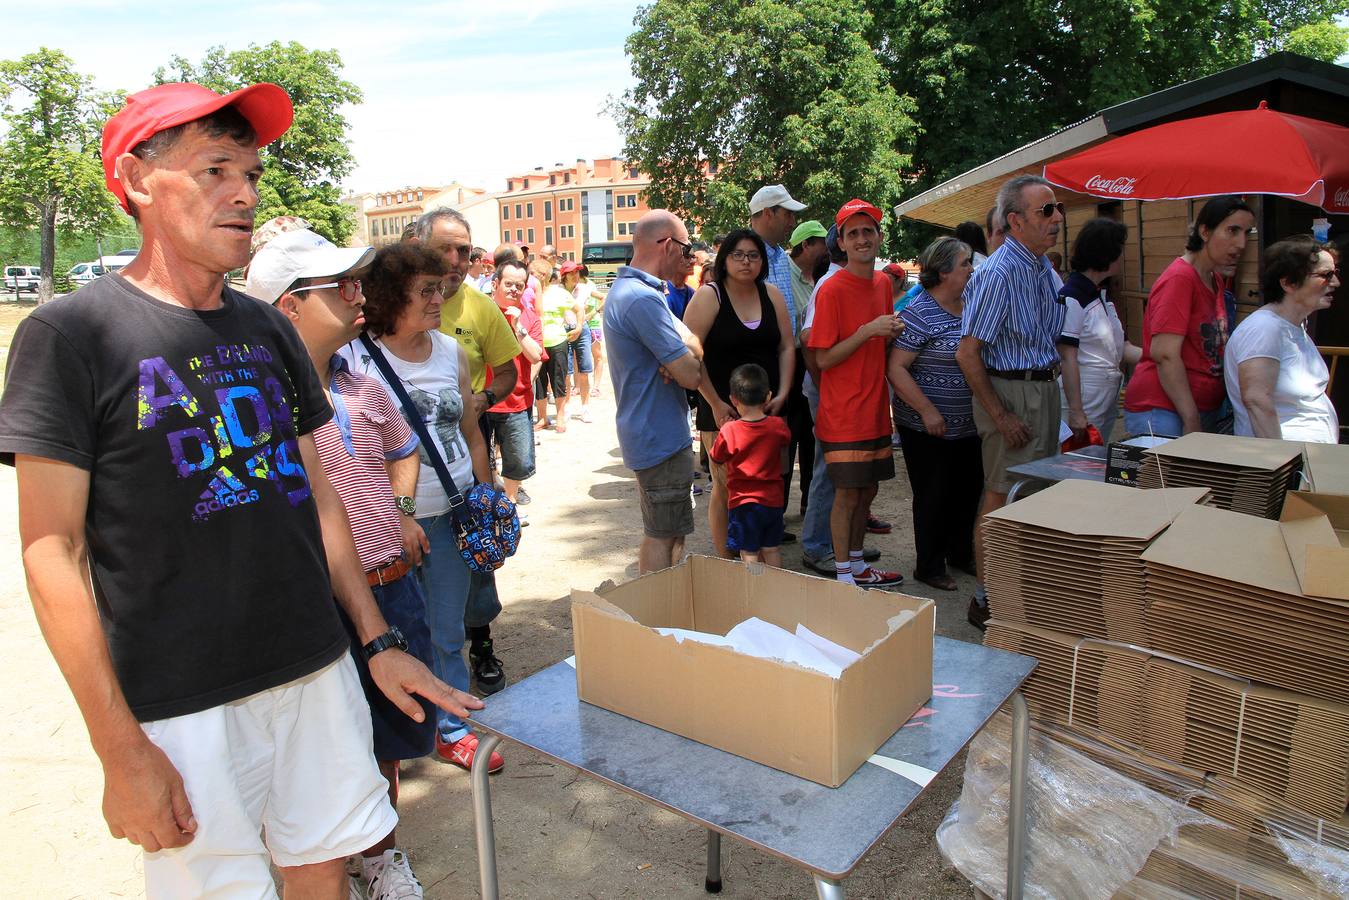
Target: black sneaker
x=487, y=671
x=788, y=537
x=521, y=498
x=978, y=614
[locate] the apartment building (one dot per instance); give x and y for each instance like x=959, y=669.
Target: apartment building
x=381, y=216
x=570, y=206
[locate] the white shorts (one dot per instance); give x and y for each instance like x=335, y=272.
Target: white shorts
x=295, y=762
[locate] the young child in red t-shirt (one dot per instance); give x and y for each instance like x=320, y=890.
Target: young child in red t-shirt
x=750, y=447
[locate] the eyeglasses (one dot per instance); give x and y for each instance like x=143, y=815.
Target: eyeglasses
x=1326, y=275
x=686, y=248
x=431, y=290
x=1047, y=210
x=347, y=287
x=746, y=255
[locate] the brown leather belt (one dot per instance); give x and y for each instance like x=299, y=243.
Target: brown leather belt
x=1026, y=374
x=388, y=574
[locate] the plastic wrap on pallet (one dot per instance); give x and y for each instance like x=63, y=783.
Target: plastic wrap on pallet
x=1107, y=822
x=1090, y=829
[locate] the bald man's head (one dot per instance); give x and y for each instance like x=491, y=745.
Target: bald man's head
x=657, y=225
x=659, y=242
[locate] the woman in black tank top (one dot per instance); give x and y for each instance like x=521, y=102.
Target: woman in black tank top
x=740, y=319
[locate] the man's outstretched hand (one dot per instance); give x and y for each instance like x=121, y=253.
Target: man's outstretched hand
x=400, y=676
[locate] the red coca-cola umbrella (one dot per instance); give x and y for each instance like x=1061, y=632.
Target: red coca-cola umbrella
x=1257, y=151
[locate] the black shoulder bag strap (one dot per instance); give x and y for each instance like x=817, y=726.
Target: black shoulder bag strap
x=414, y=418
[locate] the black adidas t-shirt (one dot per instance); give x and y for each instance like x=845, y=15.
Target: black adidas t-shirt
x=207, y=560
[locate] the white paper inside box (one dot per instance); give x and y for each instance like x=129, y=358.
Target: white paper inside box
x=779, y=714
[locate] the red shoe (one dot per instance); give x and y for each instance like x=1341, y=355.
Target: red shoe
x=878, y=526
x=876, y=578
x=462, y=751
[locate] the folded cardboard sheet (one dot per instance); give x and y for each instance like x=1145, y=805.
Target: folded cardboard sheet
x=1223, y=592
x=1247, y=475
x=1315, y=530
x=1287, y=746
x=1069, y=557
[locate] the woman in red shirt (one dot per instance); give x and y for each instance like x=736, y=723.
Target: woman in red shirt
x=1178, y=386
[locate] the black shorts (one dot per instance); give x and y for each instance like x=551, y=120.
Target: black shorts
x=552, y=373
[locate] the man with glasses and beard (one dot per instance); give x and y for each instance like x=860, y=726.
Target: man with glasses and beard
x=1008, y=348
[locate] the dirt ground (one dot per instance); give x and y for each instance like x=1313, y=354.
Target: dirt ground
x=559, y=836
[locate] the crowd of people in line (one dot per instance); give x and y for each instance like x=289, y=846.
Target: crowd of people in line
x=311, y=437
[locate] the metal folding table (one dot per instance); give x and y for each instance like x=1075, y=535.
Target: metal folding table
x=1087, y=464
x=825, y=831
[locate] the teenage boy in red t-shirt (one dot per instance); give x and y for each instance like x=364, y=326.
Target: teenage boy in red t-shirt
x=510, y=430
x=750, y=447
x=853, y=330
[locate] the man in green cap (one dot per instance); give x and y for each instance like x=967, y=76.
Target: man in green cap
x=806, y=251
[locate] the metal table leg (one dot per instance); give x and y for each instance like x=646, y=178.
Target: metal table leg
x=713, y=883
x=1016, y=490
x=828, y=888
x=482, y=816
x=1016, y=812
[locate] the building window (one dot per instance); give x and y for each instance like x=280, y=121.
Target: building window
x=632, y=172
x=529, y=210
x=505, y=210
x=622, y=201
x=530, y=235
x=552, y=180
x=419, y=196
x=374, y=229
x=712, y=167
x=525, y=186
x=519, y=211
x=566, y=204
x=519, y=236
x=548, y=211
x=566, y=178
x=622, y=228
x=506, y=236
x=567, y=231
x=548, y=234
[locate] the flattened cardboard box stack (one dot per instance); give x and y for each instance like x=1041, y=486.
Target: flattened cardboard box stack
x=1184, y=642
x=1246, y=475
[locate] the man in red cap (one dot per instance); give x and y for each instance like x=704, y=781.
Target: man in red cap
x=851, y=335
x=187, y=591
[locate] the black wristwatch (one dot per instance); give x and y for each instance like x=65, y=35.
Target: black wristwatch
x=406, y=505
x=391, y=638
x=491, y=397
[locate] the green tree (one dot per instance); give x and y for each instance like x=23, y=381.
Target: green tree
x=1325, y=41
x=764, y=92
x=305, y=166
x=50, y=172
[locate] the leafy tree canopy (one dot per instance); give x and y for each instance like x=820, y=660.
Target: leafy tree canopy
x=50, y=174
x=305, y=166
x=765, y=92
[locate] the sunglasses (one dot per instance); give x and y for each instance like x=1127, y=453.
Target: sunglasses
x=686, y=248
x=348, y=288
x=1048, y=210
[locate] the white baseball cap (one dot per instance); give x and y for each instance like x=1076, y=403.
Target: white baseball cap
x=771, y=195
x=300, y=254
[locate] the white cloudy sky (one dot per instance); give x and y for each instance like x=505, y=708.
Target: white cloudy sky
x=435, y=75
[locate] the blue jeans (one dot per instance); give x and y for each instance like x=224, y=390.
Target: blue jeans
x=444, y=577
x=1165, y=422
x=817, y=541
x=578, y=354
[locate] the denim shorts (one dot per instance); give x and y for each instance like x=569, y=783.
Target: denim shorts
x=753, y=526
x=513, y=434
x=397, y=736
x=578, y=356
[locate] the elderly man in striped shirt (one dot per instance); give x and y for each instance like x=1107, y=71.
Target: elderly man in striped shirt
x=369, y=454
x=1008, y=350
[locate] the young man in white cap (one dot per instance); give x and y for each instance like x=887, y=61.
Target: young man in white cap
x=369, y=454
x=187, y=591
x=851, y=335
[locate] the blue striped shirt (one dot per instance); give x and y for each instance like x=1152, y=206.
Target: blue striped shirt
x=780, y=276
x=1012, y=305
x=933, y=334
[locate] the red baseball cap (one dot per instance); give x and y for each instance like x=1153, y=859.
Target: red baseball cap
x=852, y=208
x=896, y=270
x=568, y=267
x=266, y=107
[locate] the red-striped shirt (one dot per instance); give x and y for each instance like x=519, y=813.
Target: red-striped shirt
x=353, y=446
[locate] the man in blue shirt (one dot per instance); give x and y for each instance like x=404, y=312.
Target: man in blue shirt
x=772, y=215
x=1008, y=347
x=653, y=360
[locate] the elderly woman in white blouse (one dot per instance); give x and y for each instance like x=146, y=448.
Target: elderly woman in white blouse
x=1276, y=378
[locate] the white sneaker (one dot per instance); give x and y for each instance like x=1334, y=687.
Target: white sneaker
x=395, y=880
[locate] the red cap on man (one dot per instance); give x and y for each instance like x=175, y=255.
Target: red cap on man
x=266, y=107
x=854, y=207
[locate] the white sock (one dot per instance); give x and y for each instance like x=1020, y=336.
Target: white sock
x=843, y=572
x=858, y=564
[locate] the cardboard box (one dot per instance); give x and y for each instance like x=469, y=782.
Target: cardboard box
x=1315, y=529
x=750, y=706
x=1124, y=459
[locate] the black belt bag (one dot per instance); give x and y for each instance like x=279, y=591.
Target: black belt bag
x=1025, y=374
